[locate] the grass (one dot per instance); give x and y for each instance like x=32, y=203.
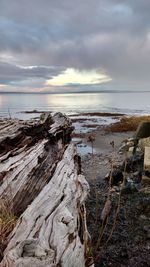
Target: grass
x=7, y=224
x=127, y=124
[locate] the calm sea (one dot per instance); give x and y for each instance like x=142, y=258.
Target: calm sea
x=130, y=103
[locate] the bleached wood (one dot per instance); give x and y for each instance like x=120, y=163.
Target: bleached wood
x=52, y=231
x=29, y=153
x=36, y=168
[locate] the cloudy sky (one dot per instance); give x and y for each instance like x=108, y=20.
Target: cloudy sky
x=68, y=45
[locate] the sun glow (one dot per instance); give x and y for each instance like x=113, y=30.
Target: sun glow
x=2, y=85
x=73, y=76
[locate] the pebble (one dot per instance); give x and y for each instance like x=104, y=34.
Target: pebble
x=143, y=217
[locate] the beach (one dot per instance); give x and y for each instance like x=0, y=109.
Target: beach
x=129, y=238
x=98, y=137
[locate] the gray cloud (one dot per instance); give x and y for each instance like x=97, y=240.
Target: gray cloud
x=111, y=35
x=12, y=73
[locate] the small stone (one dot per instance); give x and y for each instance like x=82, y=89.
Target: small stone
x=113, y=190
x=145, y=180
x=131, y=139
x=144, y=142
x=147, y=230
x=147, y=159
x=148, y=235
x=117, y=176
x=136, y=173
x=126, y=146
x=78, y=142
x=143, y=217
x=117, y=188
x=131, y=149
x=145, y=190
x=128, y=188
x=107, y=175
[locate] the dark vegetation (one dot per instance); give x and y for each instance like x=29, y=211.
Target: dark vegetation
x=7, y=223
x=103, y=114
x=127, y=124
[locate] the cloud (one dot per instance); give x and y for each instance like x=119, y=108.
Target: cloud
x=12, y=73
x=53, y=36
x=77, y=78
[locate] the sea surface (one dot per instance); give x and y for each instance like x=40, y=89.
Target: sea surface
x=13, y=104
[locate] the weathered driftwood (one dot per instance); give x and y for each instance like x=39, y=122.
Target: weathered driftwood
x=52, y=231
x=29, y=153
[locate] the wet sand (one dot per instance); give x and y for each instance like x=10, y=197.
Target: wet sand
x=103, y=153
x=102, y=140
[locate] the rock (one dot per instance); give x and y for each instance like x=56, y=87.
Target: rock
x=145, y=190
x=116, y=188
x=117, y=176
x=126, y=146
x=143, y=130
x=134, y=163
x=136, y=177
x=128, y=188
x=107, y=176
x=113, y=190
x=146, y=227
x=147, y=159
x=134, y=149
x=131, y=149
x=145, y=180
x=142, y=217
x=136, y=173
x=144, y=206
x=148, y=234
x=131, y=139
x=144, y=142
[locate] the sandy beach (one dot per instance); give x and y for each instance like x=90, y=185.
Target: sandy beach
x=103, y=152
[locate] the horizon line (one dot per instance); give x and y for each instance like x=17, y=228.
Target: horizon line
x=78, y=92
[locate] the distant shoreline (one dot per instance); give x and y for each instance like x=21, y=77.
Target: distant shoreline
x=77, y=92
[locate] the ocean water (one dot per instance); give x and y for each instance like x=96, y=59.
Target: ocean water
x=129, y=103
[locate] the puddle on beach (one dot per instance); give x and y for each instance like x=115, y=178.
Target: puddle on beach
x=82, y=126
x=82, y=148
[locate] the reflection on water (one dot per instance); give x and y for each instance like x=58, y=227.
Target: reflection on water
x=1, y=100
x=77, y=101
x=72, y=103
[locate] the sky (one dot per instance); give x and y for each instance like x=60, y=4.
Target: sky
x=69, y=46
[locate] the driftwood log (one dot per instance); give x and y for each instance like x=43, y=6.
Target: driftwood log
x=41, y=176
x=29, y=152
